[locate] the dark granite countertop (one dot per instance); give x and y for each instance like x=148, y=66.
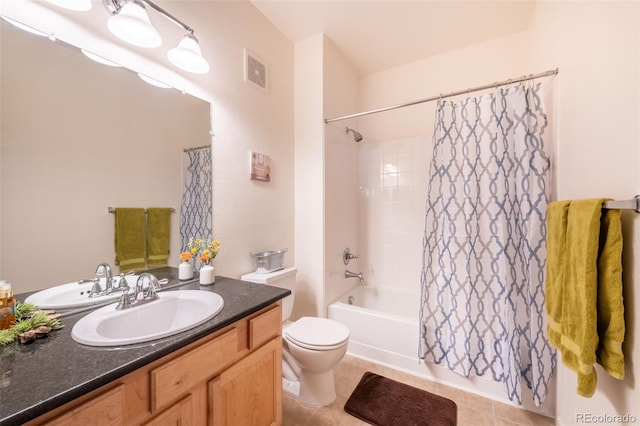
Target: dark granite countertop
x=50, y=372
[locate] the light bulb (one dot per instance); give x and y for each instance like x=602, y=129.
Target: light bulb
x=132, y=25
x=188, y=56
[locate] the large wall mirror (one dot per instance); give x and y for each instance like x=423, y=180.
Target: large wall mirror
x=79, y=137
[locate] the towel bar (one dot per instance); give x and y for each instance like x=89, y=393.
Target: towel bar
x=113, y=210
x=624, y=204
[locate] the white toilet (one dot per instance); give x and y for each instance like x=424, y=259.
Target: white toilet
x=311, y=346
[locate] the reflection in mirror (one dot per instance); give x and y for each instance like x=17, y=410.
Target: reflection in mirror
x=79, y=137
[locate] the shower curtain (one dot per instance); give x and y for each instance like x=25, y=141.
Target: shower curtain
x=195, y=211
x=484, y=251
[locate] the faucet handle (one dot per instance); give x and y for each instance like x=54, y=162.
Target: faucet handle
x=151, y=294
x=124, y=302
x=122, y=283
x=96, y=289
x=347, y=256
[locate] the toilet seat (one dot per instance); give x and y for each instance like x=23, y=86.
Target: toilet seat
x=320, y=334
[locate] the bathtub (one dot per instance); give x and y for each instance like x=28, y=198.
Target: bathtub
x=383, y=325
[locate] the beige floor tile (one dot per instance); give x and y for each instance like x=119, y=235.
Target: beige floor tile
x=473, y=410
x=466, y=399
x=295, y=413
x=347, y=375
x=469, y=417
x=505, y=422
x=333, y=414
x=520, y=416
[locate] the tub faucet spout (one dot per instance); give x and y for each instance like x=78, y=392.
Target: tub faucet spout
x=349, y=274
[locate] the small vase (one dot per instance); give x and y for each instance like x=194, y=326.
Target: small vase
x=185, y=271
x=207, y=275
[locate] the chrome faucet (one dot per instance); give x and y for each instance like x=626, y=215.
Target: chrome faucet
x=150, y=293
x=349, y=274
x=141, y=295
x=105, y=269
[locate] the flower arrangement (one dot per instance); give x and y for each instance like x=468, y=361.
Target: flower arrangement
x=203, y=250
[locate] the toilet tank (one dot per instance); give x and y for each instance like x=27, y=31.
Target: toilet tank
x=284, y=278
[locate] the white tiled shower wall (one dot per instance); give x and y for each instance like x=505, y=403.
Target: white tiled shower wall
x=392, y=187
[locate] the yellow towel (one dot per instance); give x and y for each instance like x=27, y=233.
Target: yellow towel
x=158, y=233
x=584, y=288
x=611, y=326
x=130, y=238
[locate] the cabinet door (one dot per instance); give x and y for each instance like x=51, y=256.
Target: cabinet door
x=106, y=409
x=250, y=391
x=179, y=414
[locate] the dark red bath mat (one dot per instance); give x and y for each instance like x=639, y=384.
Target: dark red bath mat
x=384, y=402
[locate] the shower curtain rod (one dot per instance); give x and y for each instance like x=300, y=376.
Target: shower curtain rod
x=196, y=148
x=442, y=96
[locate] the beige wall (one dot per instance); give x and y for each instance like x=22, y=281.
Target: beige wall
x=309, y=177
x=593, y=106
x=326, y=175
x=341, y=173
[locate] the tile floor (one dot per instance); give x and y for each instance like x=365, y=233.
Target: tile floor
x=473, y=410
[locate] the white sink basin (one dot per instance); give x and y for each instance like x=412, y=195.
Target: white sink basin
x=74, y=295
x=173, y=312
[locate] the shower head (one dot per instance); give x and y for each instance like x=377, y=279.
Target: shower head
x=356, y=135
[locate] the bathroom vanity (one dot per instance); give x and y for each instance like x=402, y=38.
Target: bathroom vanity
x=226, y=371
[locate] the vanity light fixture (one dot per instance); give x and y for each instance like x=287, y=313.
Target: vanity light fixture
x=77, y=5
x=100, y=59
x=131, y=23
x=129, y=20
x=28, y=28
x=188, y=56
x=153, y=81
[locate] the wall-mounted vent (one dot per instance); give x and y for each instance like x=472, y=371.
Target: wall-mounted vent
x=255, y=70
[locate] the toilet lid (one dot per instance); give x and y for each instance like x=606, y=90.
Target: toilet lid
x=317, y=332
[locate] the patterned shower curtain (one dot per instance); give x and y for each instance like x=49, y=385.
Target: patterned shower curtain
x=482, y=304
x=195, y=212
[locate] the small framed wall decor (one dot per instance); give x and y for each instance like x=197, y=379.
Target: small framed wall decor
x=260, y=167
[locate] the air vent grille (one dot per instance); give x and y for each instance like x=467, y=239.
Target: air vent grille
x=255, y=70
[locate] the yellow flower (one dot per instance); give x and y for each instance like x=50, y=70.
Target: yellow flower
x=203, y=250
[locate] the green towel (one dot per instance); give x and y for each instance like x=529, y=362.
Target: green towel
x=611, y=326
x=158, y=234
x=584, y=288
x=130, y=238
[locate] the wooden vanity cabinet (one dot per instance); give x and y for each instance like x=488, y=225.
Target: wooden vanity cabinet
x=242, y=394
x=231, y=377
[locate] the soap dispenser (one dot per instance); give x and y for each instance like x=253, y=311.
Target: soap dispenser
x=7, y=306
